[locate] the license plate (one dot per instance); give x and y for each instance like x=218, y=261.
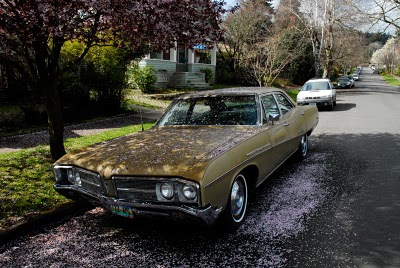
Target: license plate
x=125, y=211
x=312, y=104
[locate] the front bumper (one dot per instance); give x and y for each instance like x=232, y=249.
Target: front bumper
x=207, y=214
x=318, y=102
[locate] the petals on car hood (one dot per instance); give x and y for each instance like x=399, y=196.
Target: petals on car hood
x=164, y=151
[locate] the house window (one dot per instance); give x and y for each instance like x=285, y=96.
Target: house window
x=156, y=55
x=166, y=55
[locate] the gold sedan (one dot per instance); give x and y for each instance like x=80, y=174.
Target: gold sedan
x=202, y=159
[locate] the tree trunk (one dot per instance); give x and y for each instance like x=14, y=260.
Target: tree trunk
x=48, y=81
x=54, y=119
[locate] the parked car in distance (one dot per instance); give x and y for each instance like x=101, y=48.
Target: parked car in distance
x=202, y=159
x=351, y=80
x=356, y=77
x=344, y=82
x=319, y=92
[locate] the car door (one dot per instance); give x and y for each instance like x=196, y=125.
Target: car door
x=293, y=121
x=276, y=129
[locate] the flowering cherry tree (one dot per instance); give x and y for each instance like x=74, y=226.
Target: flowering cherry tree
x=33, y=32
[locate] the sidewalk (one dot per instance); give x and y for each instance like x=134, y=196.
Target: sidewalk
x=14, y=143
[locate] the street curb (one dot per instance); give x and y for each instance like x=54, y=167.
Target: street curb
x=25, y=226
x=367, y=91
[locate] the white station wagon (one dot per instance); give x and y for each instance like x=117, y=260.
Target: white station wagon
x=319, y=92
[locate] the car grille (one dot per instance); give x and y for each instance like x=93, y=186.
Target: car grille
x=91, y=182
x=312, y=98
x=136, y=189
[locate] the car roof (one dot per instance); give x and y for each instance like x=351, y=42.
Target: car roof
x=232, y=91
x=318, y=80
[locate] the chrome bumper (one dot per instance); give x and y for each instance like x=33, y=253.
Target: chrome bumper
x=206, y=214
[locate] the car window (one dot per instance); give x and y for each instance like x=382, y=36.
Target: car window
x=270, y=107
x=212, y=110
x=284, y=103
x=316, y=86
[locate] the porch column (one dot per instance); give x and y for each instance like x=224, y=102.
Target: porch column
x=190, y=56
x=172, y=53
x=147, y=56
x=214, y=55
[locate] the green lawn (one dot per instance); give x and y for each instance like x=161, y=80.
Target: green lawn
x=293, y=93
x=391, y=80
x=26, y=177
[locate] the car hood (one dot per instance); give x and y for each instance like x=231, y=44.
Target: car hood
x=314, y=93
x=163, y=151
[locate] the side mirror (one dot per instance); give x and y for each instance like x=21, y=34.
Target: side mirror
x=273, y=118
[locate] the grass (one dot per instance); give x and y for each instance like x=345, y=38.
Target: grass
x=391, y=80
x=26, y=177
x=293, y=93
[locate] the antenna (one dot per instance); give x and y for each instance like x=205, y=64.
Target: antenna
x=140, y=111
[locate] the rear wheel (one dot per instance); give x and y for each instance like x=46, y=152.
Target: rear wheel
x=235, y=211
x=302, y=151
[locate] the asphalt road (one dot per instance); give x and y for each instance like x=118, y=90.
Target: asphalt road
x=360, y=225
x=338, y=208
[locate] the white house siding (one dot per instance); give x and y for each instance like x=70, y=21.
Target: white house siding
x=193, y=78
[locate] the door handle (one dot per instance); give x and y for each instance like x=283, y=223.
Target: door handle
x=286, y=124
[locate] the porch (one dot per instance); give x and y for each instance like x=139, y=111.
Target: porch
x=181, y=67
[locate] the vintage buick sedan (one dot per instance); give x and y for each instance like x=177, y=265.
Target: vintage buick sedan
x=202, y=159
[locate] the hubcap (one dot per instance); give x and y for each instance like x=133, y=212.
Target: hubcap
x=304, y=145
x=238, y=199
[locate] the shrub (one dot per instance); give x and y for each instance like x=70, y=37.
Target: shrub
x=208, y=74
x=144, y=78
x=101, y=77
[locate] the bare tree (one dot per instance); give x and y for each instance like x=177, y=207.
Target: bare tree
x=243, y=26
x=322, y=20
x=378, y=11
x=266, y=60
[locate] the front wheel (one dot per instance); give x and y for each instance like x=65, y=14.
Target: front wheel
x=235, y=211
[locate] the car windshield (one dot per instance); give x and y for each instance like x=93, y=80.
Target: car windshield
x=344, y=80
x=212, y=110
x=316, y=86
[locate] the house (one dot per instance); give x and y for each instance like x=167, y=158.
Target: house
x=181, y=67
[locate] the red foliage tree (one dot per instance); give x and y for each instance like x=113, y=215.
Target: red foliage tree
x=33, y=32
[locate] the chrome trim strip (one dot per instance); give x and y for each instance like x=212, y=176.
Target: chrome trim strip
x=91, y=183
x=258, y=149
x=134, y=190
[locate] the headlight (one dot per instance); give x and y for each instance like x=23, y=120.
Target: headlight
x=177, y=191
x=189, y=192
x=67, y=175
x=78, y=181
x=71, y=177
x=167, y=190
